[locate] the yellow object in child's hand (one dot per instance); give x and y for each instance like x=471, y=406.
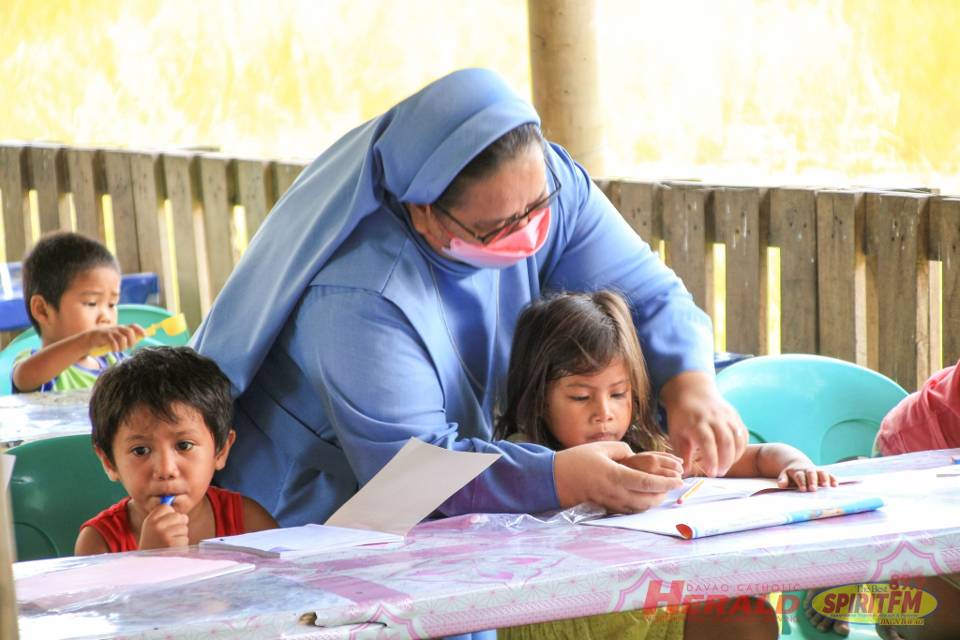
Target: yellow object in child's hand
x=171, y=326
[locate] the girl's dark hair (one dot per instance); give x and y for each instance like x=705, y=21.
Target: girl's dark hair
x=53, y=263
x=573, y=334
x=156, y=378
x=484, y=164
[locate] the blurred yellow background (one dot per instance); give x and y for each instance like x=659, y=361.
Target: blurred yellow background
x=736, y=91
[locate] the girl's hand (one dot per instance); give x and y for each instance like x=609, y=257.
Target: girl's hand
x=805, y=477
x=656, y=462
x=163, y=527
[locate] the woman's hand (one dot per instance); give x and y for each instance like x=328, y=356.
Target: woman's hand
x=702, y=424
x=593, y=473
x=656, y=463
x=805, y=477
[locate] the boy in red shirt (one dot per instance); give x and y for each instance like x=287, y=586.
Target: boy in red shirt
x=162, y=427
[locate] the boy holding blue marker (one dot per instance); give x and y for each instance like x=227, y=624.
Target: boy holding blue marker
x=162, y=427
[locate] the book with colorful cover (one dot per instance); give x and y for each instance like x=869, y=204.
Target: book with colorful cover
x=693, y=520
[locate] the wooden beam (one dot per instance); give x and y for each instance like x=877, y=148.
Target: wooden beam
x=897, y=228
x=563, y=65
x=8, y=599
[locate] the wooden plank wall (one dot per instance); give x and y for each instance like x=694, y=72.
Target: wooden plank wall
x=863, y=276
x=856, y=269
x=169, y=213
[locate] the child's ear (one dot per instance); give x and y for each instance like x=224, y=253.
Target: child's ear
x=40, y=309
x=220, y=460
x=108, y=467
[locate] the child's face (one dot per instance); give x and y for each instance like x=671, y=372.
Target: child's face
x=583, y=409
x=89, y=302
x=153, y=458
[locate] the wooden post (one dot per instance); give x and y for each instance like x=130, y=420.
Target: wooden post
x=216, y=196
x=252, y=192
x=687, y=238
x=841, y=276
x=563, y=66
x=119, y=182
x=945, y=247
x=184, y=206
x=793, y=228
x=742, y=226
x=897, y=235
x=43, y=170
x=78, y=167
x=16, y=207
x=8, y=599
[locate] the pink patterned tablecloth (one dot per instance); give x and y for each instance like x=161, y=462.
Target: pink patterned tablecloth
x=487, y=571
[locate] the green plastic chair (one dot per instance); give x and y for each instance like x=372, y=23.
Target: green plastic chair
x=57, y=485
x=827, y=408
x=142, y=314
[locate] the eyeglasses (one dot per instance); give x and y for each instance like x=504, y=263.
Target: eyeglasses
x=513, y=221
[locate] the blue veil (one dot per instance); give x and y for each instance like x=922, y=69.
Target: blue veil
x=413, y=151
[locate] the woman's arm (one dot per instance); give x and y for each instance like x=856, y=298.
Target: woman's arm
x=379, y=386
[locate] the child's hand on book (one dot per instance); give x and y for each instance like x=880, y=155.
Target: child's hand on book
x=114, y=337
x=163, y=527
x=805, y=478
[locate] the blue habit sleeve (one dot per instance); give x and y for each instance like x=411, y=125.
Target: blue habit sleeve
x=379, y=387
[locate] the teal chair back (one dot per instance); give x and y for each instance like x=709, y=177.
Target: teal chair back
x=827, y=408
x=57, y=485
x=142, y=314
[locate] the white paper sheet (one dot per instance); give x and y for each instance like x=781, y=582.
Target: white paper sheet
x=294, y=542
x=418, y=479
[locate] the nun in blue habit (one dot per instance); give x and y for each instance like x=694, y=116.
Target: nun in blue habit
x=378, y=302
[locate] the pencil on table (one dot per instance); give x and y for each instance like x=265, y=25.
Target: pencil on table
x=689, y=492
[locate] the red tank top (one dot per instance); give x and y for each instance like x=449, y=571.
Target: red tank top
x=114, y=526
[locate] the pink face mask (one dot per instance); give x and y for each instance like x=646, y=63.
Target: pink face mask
x=505, y=251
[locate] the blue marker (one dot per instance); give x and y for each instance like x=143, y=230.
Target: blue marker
x=168, y=500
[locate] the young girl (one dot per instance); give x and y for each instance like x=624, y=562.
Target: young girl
x=577, y=375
